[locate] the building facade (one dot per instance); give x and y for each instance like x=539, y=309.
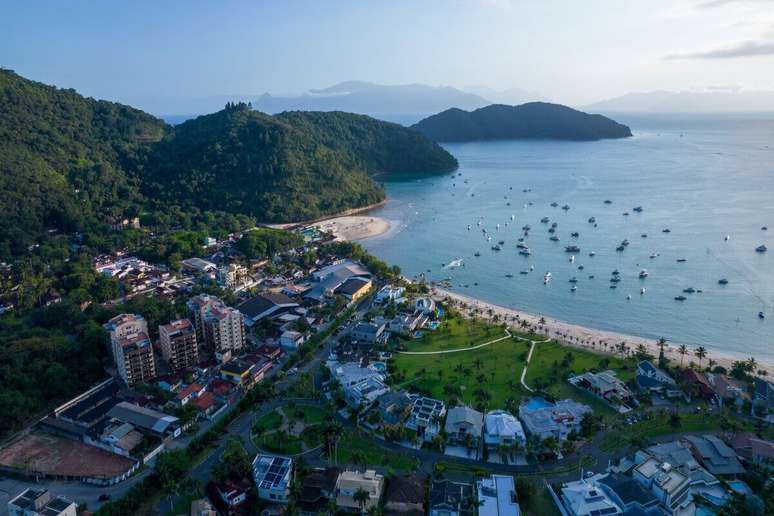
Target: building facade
x=131, y=348
x=178, y=342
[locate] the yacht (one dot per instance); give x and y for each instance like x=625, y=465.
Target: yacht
x=544, y=220
x=723, y=281
x=525, y=252
x=644, y=273
x=761, y=249
x=680, y=298
x=571, y=249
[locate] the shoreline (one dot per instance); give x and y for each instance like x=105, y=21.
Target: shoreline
x=354, y=227
x=310, y=222
x=581, y=337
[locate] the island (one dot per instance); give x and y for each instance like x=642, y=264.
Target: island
x=534, y=120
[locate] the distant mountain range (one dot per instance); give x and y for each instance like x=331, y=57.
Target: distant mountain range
x=378, y=100
x=531, y=120
x=688, y=102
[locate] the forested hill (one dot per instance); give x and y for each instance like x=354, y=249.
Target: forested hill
x=531, y=120
x=74, y=164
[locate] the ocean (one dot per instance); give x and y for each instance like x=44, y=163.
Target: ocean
x=701, y=177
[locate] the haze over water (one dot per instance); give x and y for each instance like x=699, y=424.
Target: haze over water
x=703, y=178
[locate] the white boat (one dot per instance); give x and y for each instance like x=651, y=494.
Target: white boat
x=592, y=253
x=642, y=290
x=644, y=273
x=531, y=268
x=572, y=259
x=513, y=217
x=629, y=297
x=546, y=278
x=573, y=288
x=728, y=237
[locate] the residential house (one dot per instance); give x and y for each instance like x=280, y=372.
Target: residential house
x=497, y=496
x=605, y=385
x=716, y=456
x=628, y=494
x=272, y=475
x=350, y=482
x=189, y=392
x=318, y=487
x=502, y=429
x=695, y=384
x=671, y=487
x=292, y=340
x=150, y=421
x=233, y=493
x=239, y=372
x=268, y=304
x=273, y=353
x=754, y=449
x=583, y=498
x=678, y=454
x=367, y=331
x=178, y=344
x=448, y=498
x=426, y=416
x=728, y=389
x=205, y=403
x=464, y=426
x=393, y=408
x=763, y=399
x=424, y=305
x=131, y=348
x=389, y=294
x=405, y=495
x=353, y=289
x=40, y=502
x=545, y=419
x=198, y=266
x=404, y=324
x=651, y=378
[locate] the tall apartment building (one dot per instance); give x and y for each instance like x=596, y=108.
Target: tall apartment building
x=178, y=344
x=131, y=348
x=219, y=328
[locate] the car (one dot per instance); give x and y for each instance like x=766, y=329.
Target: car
x=104, y=497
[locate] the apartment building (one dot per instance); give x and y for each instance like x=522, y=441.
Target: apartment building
x=219, y=328
x=131, y=348
x=178, y=342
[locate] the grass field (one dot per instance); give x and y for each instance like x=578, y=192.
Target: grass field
x=356, y=449
x=456, y=333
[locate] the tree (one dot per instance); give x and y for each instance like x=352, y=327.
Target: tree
x=701, y=353
x=683, y=350
x=362, y=497
x=233, y=463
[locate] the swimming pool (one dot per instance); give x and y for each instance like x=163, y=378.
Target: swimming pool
x=434, y=325
x=538, y=403
x=379, y=366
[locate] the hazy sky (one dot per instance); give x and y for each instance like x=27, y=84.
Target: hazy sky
x=570, y=51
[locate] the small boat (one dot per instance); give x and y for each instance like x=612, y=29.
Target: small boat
x=513, y=217
x=644, y=273
x=652, y=256
x=689, y=290
x=566, y=207
x=666, y=230
x=680, y=298
x=572, y=259
x=571, y=249
x=629, y=297
x=728, y=237
x=764, y=228
x=468, y=227
x=615, y=280
x=681, y=260
x=525, y=252
x=592, y=253
x=573, y=288
x=761, y=249
x=615, y=272
x=476, y=254
x=608, y=201
x=625, y=242
x=625, y=214
x=531, y=268
x=520, y=239
x=544, y=220
x=526, y=227
x=642, y=290
x=523, y=272
x=581, y=267
x=497, y=248
x=644, y=235
x=723, y=281
x=554, y=238
x=501, y=242
x=554, y=224
x=575, y=234
x=573, y=280
x=554, y=204
x=591, y=276
x=546, y=278
x=522, y=245
x=509, y=275
x=552, y=230
x=761, y=315
x=638, y=209
x=620, y=248
x=613, y=286
x=592, y=220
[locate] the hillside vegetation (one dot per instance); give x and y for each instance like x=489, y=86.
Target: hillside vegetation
x=531, y=120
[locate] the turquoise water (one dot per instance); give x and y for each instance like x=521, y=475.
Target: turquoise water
x=701, y=178
x=537, y=403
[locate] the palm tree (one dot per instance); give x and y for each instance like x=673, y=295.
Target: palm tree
x=712, y=363
x=701, y=354
x=661, y=345
x=361, y=496
x=683, y=350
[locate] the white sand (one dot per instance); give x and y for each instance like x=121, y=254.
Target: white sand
x=582, y=337
x=354, y=227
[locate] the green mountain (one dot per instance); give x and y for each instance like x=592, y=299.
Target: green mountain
x=70, y=163
x=531, y=120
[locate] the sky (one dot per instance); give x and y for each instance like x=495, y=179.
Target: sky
x=574, y=52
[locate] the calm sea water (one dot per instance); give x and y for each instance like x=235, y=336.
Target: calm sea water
x=701, y=177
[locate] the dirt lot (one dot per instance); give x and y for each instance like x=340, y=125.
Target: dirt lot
x=52, y=455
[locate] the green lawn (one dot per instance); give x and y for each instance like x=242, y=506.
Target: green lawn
x=495, y=369
x=659, y=425
x=270, y=421
x=542, y=504
x=356, y=449
x=548, y=358
x=456, y=333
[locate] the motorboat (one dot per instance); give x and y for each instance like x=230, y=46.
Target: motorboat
x=728, y=237
x=525, y=252
x=620, y=248
x=575, y=234
x=591, y=276
x=764, y=228
x=681, y=260
x=722, y=281
x=571, y=249
x=523, y=272
x=497, y=248
x=761, y=249
x=625, y=242
x=573, y=288
x=531, y=268
x=546, y=278
x=629, y=297
x=526, y=227
x=653, y=255
x=554, y=204
x=642, y=291
x=644, y=235
x=522, y=245
x=544, y=220
x=554, y=238
x=592, y=253
x=476, y=254
x=509, y=275
x=592, y=220
x=554, y=224
x=680, y=298
x=625, y=214
x=501, y=242
x=615, y=279
x=566, y=207
x=613, y=286
x=581, y=267
x=615, y=272
x=572, y=259
x=573, y=280
x=608, y=201
x=689, y=290
x=638, y=209
x=666, y=230
x=644, y=273
x=552, y=230
x=761, y=315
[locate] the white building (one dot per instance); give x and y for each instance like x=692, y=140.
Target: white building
x=545, y=419
x=131, y=348
x=219, y=328
x=497, y=496
x=582, y=498
x=350, y=482
x=670, y=486
x=40, y=502
x=272, y=475
x=502, y=428
x=291, y=339
x=389, y=294
x=426, y=416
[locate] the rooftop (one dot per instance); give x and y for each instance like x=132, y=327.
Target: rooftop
x=272, y=471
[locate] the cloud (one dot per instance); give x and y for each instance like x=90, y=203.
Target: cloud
x=711, y=4
x=745, y=49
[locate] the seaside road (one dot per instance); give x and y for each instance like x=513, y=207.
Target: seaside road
x=507, y=336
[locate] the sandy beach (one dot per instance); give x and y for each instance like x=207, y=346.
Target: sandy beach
x=354, y=227
x=582, y=337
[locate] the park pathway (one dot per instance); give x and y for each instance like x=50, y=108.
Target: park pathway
x=507, y=336
x=526, y=364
